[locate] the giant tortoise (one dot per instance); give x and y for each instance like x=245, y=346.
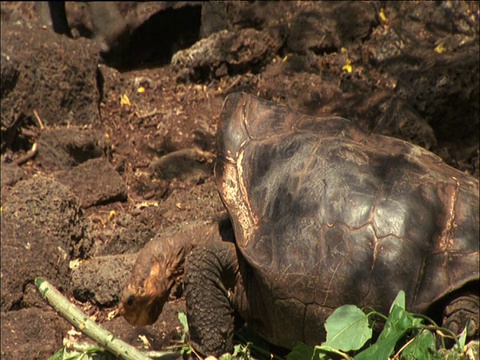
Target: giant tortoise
x=321, y=214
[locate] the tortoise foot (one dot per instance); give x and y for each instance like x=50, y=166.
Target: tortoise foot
x=459, y=311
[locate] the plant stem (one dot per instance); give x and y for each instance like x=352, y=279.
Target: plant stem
x=86, y=325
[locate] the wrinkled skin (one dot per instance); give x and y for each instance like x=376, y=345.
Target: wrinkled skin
x=323, y=214
x=157, y=268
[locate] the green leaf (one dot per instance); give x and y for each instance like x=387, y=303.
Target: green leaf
x=399, y=301
x=240, y=351
x=88, y=353
x=301, y=351
x=462, y=338
x=453, y=355
x=399, y=322
x=58, y=355
x=422, y=347
x=347, y=329
x=322, y=352
x=182, y=317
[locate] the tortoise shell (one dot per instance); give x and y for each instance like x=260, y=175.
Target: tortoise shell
x=326, y=214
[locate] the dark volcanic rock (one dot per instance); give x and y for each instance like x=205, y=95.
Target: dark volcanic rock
x=226, y=53
x=94, y=182
x=45, y=331
x=47, y=73
x=130, y=236
x=327, y=27
x=42, y=230
x=101, y=280
x=430, y=53
x=68, y=147
x=11, y=174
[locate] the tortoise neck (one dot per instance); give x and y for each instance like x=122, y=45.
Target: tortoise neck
x=182, y=244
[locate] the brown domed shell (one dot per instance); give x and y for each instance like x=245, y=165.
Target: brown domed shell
x=327, y=214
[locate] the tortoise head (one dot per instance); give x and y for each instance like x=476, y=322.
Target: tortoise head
x=157, y=268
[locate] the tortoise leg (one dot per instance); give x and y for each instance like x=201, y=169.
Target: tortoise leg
x=210, y=279
x=459, y=310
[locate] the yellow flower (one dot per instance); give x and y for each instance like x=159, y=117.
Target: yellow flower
x=124, y=100
x=348, y=66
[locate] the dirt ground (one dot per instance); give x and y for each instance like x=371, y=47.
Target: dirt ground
x=100, y=154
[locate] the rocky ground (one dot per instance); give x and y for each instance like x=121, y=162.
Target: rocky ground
x=98, y=156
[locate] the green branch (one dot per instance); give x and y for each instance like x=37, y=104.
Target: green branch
x=86, y=325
